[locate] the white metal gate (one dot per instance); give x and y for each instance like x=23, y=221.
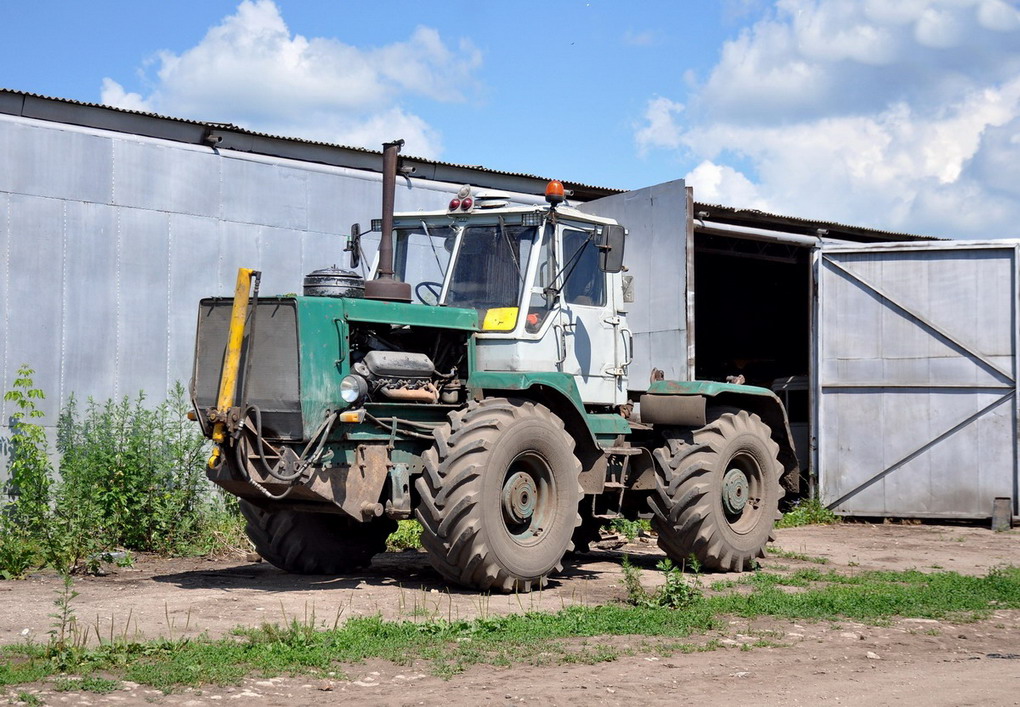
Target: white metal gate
x=915, y=378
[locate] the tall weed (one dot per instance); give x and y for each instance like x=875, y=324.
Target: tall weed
x=29, y=464
x=24, y=515
x=675, y=593
x=142, y=470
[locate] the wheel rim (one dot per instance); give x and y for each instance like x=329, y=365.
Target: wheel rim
x=734, y=491
x=526, y=500
x=742, y=489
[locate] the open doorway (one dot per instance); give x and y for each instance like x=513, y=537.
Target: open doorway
x=752, y=314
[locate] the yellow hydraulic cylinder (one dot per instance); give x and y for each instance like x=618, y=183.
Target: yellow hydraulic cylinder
x=231, y=359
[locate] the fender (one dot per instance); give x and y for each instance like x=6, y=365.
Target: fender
x=558, y=392
x=761, y=401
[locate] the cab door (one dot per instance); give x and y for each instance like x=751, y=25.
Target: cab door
x=593, y=338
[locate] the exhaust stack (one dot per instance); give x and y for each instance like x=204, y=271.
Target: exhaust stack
x=386, y=286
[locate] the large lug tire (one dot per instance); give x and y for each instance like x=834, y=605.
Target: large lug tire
x=314, y=543
x=717, y=493
x=499, y=496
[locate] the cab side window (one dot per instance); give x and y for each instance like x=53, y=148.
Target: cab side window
x=585, y=283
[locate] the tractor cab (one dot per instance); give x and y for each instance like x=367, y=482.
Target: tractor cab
x=545, y=281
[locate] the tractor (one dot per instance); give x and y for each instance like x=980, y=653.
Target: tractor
x=490, y=401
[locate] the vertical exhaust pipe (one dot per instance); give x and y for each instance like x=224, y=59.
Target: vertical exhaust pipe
x=386, y=286
x=389, y=188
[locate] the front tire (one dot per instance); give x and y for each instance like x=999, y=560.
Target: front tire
x=499, y=496
x=314, y=543
x=717, y=493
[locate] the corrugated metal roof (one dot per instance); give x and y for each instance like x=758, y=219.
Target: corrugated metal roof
x=220, y=126
x=32, y=105
x=809, y=227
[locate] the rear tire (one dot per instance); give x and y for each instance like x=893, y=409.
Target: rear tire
x=499, y=496
x=717, y=493
x=314, y=543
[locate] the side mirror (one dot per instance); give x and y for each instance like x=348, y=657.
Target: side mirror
x=354, y=245
x=610, y=246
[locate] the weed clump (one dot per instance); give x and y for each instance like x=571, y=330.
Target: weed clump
x=630, y=529
x=675, y=593
x=807, y=511
x=130, y=476
x=407, y=536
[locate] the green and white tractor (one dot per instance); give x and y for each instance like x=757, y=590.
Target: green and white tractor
x=490, y=401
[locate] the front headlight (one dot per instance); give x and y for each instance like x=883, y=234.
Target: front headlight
x=353, y=388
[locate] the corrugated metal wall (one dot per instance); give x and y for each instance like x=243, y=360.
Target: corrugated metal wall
x=108, y=240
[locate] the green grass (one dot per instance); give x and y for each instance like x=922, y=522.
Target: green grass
x=300, y=648
x=573, y=635
x=89, y=684
x=875, y=595
x=630, y=529
x=807, y=511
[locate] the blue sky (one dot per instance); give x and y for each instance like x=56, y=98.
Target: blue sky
x=900, y=115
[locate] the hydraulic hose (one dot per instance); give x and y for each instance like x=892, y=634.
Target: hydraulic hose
x=318, y=439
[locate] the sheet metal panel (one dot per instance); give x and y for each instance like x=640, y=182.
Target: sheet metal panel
x=41, y=161
x=238, y=249
x=279, y=259
x=5, y=279
x=320, y=250
x=33, y=320
x=194, y=268
x=90, y=296
x=656, y=256
x=915, y=373
x=333, y=212
x=263, y=193
x=142, y=302
x=149, y=176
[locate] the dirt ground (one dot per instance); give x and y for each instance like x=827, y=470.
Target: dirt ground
x=910, y=661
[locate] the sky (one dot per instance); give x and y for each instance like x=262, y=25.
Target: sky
x=902, y=115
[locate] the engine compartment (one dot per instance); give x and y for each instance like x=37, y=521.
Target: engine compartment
x=409, y=364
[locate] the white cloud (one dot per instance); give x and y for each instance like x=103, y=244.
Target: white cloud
x=938, y=28
x=721, y=184
x=252, y=71
x=898, y=115
x=998, y=16
x=114, y=94
x=661, y=129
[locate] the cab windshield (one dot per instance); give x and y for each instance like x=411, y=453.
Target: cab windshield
x=490, y=268
x=421, y=255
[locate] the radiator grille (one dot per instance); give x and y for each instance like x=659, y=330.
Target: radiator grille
x=274, y=377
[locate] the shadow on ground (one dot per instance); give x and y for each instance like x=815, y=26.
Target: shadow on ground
x=408, y=569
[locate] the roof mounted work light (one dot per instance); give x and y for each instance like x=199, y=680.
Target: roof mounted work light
x=554, y=193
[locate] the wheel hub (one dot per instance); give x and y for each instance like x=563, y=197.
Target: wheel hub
x=519, y=496
x=734, y=491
